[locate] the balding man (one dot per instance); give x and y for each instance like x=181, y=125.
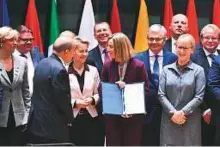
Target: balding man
x=51, y=102
x=66, y=33
x=178, y=26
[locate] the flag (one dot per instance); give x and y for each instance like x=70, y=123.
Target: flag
x=54, y=26
x=192, y=20
x=33, y=23
x=4, y=18
x=216, y=13
x=115, y=23
x=86, y=29
x=167, y=18
x=141, y=41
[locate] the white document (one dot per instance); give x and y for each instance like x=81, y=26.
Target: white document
x=134, y=98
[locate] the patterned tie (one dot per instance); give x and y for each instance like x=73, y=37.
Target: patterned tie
x=212, y=57
x=23, y=55
x=106, y=58
x=156, y=70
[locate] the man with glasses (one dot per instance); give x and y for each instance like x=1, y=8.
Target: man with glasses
x=154, y=59
x=26, y=50
x=209, y=38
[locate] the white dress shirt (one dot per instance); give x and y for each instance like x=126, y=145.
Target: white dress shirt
x=173, y=41
x=152, y=60
x=209, y=58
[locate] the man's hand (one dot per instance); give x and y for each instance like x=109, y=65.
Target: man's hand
x=207, y=116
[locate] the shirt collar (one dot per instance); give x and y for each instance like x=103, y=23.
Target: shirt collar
x=71, y=70
x=65, y=64
x=175, y=64
x=208, y=53
x=101, y=49
x=152, y=54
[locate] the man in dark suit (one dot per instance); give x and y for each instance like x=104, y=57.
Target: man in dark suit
x=178, y=26
x=98, y=55
x=214, y=86
x=51, y=102
x=154, y=59
x=25, y=49
x=209, y=38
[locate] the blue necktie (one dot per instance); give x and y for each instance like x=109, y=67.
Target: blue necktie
x=156, y=70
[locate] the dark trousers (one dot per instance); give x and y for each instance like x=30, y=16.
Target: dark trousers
x=86, y=131
x=124, y=131
x=11, y=135
x=208, y=134
x=151, y=131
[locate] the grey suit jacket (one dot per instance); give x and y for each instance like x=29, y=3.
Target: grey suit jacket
x=16, y=92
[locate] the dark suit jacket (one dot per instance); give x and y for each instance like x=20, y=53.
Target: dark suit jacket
x=51, y=101
x=36, y=56
x=168, y=58
x=95, y=59
x=199, y=57
x=1, y=90
x=214, y=81
x=135, y=72
x=168, y=45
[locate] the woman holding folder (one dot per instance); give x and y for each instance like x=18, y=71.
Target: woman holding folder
x=124, y=130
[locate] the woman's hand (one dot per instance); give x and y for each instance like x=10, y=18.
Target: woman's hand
x=121, y=84
x=81, y=103
x=126, y=115
x=178, y=117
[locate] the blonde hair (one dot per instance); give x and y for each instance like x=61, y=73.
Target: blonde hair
x=122, y=47
x=7, y=33
x=210, y=26
x=189, y=39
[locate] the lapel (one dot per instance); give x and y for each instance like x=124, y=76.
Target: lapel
x=16, y=70
x=165, y=58
x=204, y=61
x=146, y=59
x=5, y=78
x=98, y=57
x=34, y=57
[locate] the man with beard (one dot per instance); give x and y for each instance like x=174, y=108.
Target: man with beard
x=178, y=26
x=25, y=49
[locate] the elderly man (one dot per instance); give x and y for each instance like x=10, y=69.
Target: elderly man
x=154, y=59
x=51, y=102
x=209, y=38
x=178, y=26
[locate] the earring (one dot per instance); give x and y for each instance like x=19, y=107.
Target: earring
x=1, y=45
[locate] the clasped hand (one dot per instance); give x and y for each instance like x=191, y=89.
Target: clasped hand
x=83, y=103
x=121, y=84
x=178, y=117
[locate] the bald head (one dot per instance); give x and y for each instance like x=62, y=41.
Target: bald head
x=63, y=43
x=67, y=33
x=179, y=25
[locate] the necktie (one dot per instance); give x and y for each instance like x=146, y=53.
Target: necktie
x=156, y=70
x=23, y=55
x=212, y=57
x=106, y=57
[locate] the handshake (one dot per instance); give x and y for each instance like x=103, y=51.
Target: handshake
x=178, y=117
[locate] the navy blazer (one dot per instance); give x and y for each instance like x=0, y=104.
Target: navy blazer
x=214, y=82
x=36, y=56
x=168, y=58
x=168, y=45
x=95, y=59
x=199, y=57
x=1, y=88
x=51, y=101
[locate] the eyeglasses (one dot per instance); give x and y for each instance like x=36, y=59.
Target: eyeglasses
x=208, y=38
x=183, y=47
x=156, y=39
x=27, y=39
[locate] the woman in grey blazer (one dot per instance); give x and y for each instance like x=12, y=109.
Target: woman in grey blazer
x=15, y=105
x=181, y=91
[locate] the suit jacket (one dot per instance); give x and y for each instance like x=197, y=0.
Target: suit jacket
x=168, y=58
x=214, y=82
x=1, y=90
x=135, y=72
x=168, y=45
x=36, y=56
x=90, y=89
x=199, y=57
x=95, y=59
x=17, y=93
x=51, y=101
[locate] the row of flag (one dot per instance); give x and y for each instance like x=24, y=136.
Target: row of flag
x=88, y=21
